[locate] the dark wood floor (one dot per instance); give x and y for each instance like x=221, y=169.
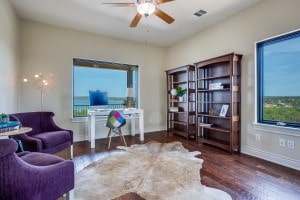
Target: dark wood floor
x=242, y=176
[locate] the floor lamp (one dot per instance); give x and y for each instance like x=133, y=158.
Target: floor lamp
x=41, y=82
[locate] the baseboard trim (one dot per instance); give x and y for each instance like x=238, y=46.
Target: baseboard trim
x=281, y=160
x=79, y=138
x=155, y=128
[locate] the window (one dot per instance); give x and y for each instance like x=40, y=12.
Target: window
x=103, y=85
x=278, y=80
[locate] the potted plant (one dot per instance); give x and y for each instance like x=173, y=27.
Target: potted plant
x=3, y=118
x=180, y=93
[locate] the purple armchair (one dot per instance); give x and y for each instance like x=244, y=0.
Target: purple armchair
x=33, y=176
x=46, y=136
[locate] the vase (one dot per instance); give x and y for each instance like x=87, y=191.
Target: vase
x=180, y=98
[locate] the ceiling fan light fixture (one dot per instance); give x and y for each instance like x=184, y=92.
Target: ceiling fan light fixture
x=146, y=8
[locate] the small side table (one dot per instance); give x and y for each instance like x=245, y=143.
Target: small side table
x=19, y=131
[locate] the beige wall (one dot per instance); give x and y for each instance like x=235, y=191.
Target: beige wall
x=50, y=49
x=239, y=34
x=9, y=58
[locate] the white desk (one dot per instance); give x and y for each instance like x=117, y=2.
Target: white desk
x=128, y=113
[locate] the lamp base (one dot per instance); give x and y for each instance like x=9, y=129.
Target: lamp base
x=129, y=103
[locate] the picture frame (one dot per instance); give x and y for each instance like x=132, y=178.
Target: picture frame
x=223, y=111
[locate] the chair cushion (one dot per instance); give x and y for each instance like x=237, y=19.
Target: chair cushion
x=41, y=159
x=51, y=139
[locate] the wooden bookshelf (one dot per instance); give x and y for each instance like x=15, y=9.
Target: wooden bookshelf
x=225, y=72
x=182, y=122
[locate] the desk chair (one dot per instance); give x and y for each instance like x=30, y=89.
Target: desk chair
x=115, y=121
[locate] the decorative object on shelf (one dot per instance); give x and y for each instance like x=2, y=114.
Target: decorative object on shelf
x=180, y=93
x=215, y=86
x=173, y=93
x=224, y=110
x=173, y=109
x=211, y=112
x=40, y=82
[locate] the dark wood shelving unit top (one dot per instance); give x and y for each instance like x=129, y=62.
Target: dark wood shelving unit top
x=214, y=77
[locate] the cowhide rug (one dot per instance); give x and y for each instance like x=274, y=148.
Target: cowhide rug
x=154, y=171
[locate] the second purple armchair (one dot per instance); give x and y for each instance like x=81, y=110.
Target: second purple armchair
x=45, y=136
x=33, y=176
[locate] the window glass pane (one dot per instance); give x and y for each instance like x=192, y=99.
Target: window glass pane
x=279, y=69
x=98, y=86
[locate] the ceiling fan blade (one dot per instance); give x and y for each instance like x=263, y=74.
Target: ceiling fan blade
x=164, y=16
x=136, y=20
x=163, y=1
x=119, y=4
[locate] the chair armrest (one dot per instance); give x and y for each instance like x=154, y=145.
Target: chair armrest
x=7, y=146
x=30, y=143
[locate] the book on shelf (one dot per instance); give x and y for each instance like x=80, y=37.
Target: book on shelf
x=215, y=86
x=205, y=124
x=173, y=109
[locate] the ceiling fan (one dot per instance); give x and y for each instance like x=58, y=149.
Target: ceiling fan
x=146, y=8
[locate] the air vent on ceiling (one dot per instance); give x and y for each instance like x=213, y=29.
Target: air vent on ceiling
x=200, y=13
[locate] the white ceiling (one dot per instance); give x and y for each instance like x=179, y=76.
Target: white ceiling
x=91, y=16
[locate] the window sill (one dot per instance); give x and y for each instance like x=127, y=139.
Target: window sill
x=79, y=119
x=277, y=129
x=86, y=119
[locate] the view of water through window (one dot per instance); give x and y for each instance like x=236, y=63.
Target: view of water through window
x=109, y=81
x=105, y=80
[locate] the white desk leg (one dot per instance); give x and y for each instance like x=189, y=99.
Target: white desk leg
x=132, y=119
x=89, y=128
x=141, y=121
x=93, y=131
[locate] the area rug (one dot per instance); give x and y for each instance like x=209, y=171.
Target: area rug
x=154, y=171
